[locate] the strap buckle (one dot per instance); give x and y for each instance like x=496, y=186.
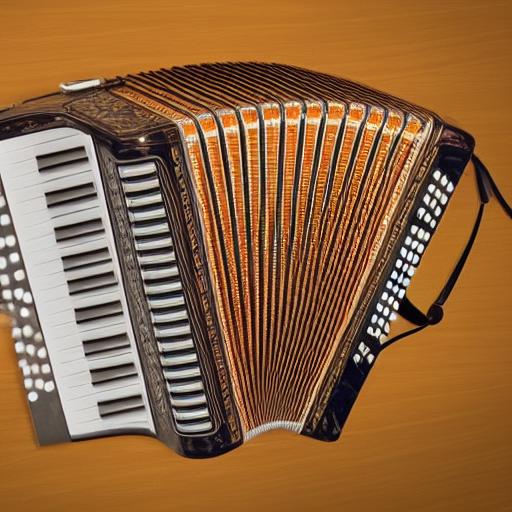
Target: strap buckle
x=435, y=314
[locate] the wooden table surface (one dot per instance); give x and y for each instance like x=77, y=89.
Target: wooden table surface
x=432, y=427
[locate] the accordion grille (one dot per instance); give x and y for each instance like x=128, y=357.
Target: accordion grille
x=295, y=199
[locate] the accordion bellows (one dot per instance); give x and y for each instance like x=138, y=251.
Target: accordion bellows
x=279, y=178
x=254, y=228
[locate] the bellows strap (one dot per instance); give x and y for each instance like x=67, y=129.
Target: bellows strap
x=486, y=189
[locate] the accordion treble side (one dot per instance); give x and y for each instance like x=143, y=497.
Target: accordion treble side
x=202, y=254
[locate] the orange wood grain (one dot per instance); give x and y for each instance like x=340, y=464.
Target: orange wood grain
x=432, y=427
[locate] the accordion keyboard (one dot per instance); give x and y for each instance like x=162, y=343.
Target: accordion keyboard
x=164, y=294
x=56, y=198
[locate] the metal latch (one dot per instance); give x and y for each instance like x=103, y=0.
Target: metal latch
x=81, y=85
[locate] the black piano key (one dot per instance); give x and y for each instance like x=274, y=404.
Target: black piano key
x=111, y=373
x=91, y=283
x=53, y=160
x=79, y=229
x=100, y=311
x=105, y=344
x=120, y=405
x=70, y=195
x=82, y=259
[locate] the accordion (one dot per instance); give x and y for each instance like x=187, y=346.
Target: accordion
x=201, y=254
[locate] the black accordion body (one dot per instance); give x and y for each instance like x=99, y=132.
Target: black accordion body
x=202, y=254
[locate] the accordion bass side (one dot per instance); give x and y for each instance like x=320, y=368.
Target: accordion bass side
x=201, y=254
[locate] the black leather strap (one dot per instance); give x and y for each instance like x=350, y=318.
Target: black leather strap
x=486, y=188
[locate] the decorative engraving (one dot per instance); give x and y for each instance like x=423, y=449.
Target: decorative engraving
x=202, y=287
x=113, y=113
x=25, y=125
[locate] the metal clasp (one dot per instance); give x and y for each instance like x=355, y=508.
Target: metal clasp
x=81, y=85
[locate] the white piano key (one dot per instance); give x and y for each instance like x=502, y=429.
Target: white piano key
x=50, y=268
x=147, y=214
x=166, y=302
x=151, y=229
x=103, y=331
x=89, y=271
x=167, y=287
x=81, y=205
x=195, y=428
x=174, y=360
x=73, y=218
x=82, y=399
x=175, y=345
x=157, y=259
x=140, y=185
x=85, y=244
x=185, y=387
x=182, y=373
x=169, y=316
x=160, y=273
x=137, y=169
x=191, y=414
x=153, y=243
x=100, y=324
x=155, y=198
x=176, y=330
x=96, y=297
x=98, y=363
x=189, y=401
x=66, y=180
